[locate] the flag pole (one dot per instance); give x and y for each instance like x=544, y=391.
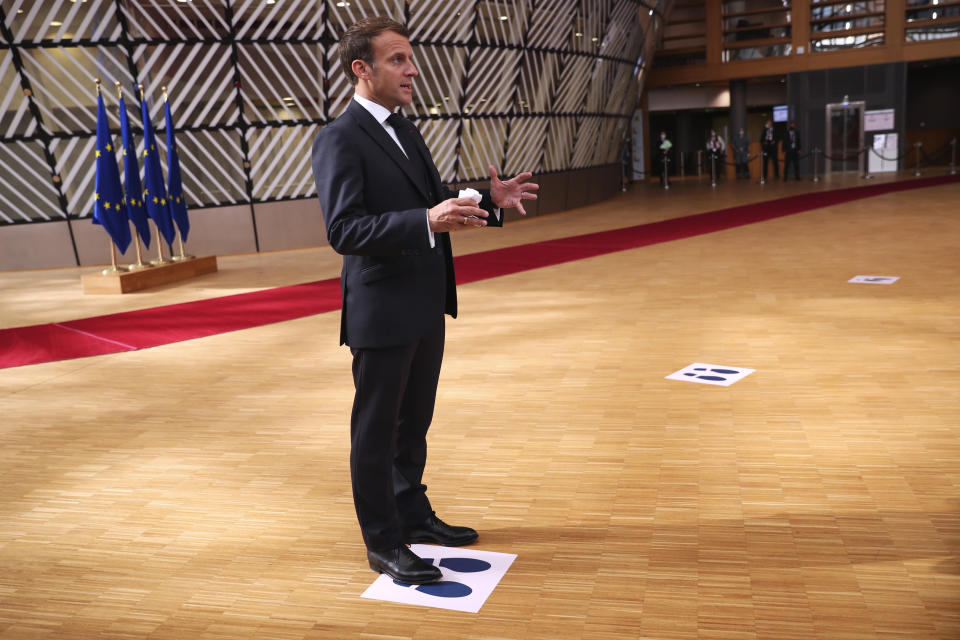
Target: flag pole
x=160, y=259
x=138, y=265
x=113, y=249
x=113, y=260
x=180, y=257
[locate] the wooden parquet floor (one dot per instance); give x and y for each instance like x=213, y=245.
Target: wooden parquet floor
x=200, y=490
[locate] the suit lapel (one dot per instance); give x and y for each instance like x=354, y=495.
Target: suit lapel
x=376, y=131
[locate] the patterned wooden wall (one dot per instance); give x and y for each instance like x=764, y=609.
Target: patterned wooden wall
x=541, y=85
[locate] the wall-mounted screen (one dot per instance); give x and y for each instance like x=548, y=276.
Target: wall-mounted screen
x=780, y=113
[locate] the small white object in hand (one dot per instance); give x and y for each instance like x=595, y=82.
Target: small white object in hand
x=470, y=193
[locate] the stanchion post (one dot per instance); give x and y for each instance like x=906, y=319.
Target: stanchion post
x=953, y=156
x=713, y=170
x=699, y=163
x=866, y=162
x=917, y=145
x=763, y=167
x=681, y=164
x=816, y=151
x=666, y=173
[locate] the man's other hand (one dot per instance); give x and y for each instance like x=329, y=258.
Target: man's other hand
x=512, y=192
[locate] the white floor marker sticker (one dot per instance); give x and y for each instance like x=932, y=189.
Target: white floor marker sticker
x=720, y=375
x=469, y=577
x=874, y=279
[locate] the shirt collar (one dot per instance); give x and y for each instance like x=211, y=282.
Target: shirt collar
x=378, y=111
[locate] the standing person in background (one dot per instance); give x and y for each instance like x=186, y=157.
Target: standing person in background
x=716, y=150
x=664, y=158
x=768, y=143
x=791, y=152
x=388, y=213
x=741, y=153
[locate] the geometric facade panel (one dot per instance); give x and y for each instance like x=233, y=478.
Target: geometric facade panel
x=538, y=85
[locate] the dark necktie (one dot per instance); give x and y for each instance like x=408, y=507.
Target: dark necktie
x=404, y=130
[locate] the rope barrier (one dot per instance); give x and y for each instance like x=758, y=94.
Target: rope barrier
x=721, y=159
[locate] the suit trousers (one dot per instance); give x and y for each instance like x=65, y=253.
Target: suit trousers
x=770, y=155
x=396, y=389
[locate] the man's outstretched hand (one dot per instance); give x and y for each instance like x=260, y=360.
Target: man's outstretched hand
x=511, y=193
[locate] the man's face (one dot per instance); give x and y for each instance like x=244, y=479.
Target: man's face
x=390, y=81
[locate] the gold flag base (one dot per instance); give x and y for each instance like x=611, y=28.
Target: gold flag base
x=137, y=266
x=128, y=281
x=182, y=258
x=111, y=270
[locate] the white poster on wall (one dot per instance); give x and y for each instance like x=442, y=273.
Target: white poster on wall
x=636, y=134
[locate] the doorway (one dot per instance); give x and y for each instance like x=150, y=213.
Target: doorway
x=845, y=137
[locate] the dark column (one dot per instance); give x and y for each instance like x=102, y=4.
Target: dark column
x=738, y=106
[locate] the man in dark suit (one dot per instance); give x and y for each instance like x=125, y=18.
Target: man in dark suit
x=387, y=211
x=791, y=152
x=768, y=142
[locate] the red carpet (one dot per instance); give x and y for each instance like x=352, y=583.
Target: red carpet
x=172, y=323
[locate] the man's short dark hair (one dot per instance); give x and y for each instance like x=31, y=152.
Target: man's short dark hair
x=355, y=42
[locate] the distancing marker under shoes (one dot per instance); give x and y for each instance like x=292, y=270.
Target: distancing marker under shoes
x=469, y=577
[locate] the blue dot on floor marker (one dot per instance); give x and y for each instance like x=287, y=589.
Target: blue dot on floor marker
x=465, y=565
x=445, y=589
x=690, y=374
x=714, y=378
x=724, y=371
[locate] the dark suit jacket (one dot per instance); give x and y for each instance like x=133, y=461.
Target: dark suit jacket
x=796, y=141
x=771, y=146
x=395, y=287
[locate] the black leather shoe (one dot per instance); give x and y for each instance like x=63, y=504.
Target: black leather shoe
x=403, y=565
x=439, y=532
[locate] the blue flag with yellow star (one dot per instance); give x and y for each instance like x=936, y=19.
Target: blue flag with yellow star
x=178, y=205
x=154, y=193
x=107, y=193
x=131, y=174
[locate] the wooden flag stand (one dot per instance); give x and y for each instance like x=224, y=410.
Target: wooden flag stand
x=129, y=281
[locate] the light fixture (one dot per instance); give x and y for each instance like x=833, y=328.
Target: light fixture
x=578, y=34
x=288, y=99
x=934, y=16
x=595, y=39
x=650, y=13
x=55, y=23
x=502, y=18
x=343, y=3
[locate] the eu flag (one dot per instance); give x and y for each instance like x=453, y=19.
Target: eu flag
x=154, y=193
x=131, y=173
x=178, y=205
x=107, y=193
